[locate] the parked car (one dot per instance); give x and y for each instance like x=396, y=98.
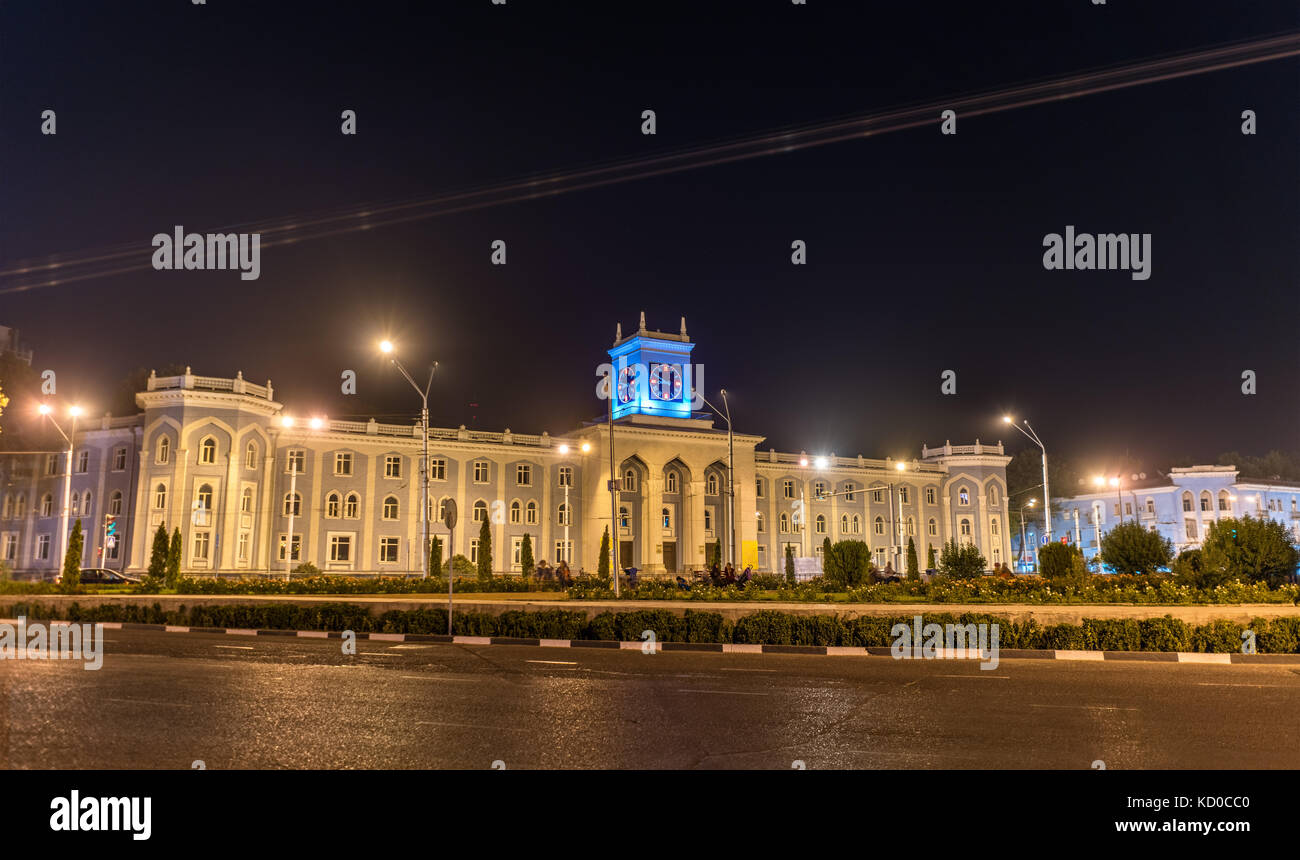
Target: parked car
x=104, y=576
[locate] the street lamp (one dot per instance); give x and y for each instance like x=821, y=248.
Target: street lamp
x=568, y=511
x=1119, y=496
x=387, y=348
x=1023, y=543
x=1032, y=435
x=74, y=412
x=731, y=474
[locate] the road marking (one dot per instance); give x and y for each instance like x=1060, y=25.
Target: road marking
x=1209, y=684
x=999, y=677
x=739, y=670
x=148, y=702
x=554, y=662
x=722, y=692
x=438, y=678
x=473, y=726
x=410, y=647
x=1089, y=707
x=377, y=654
x=235, y=647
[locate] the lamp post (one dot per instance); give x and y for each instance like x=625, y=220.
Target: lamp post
x=1119, y=495
x=1023, y=542
x=73, y=412
x=731, y=475
x=568, y=511
x=1032, y=435
x=386, y=347
x=287, y=422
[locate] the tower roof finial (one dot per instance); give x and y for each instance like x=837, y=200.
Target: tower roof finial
x=684, y=329
x=618, y=333
x=642, y=320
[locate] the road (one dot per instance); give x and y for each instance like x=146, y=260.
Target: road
x=165, y=700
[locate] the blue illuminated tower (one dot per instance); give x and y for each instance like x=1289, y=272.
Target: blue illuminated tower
x=654, y=373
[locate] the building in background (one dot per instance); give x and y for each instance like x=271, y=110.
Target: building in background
x=212, y=457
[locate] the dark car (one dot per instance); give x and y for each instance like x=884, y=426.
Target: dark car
x=104, y=576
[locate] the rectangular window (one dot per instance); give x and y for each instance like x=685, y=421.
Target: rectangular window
x=516, y=551
x=295, y=460
x=201, y=543
x=473, y=551
x=524, y=475
x=43, y=547
x=340, y=547
x=342, y=463
x=388, y=550
x=297, y=547
x=1128, y=509
x=10, y=548
x=52, y=464
x=1151, y=506
x=119, y=460
x=83, y=462
x=481, y=472
x=1117, y=509
x=902, y=495
x=787, y=487
x=849, y=494
x=566, y=476
x=437, y=469
x=564, y=550
x=392, y=466
x=877, y=496
x=242, y=553
x=929, y=495
x=758, y=488
x=1190, y=525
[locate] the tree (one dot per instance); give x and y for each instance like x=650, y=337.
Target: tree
x=484, y=551
x=1130, y=548
x=789, y=563
x=435, y=556
x=173, y=575
x=847, y=563
x=1189, y=569
x=460, y=567
x=158, y=556
x=1062, y=564
x=72, y=559
x=913, y=564
x=961, y=561
x=526, y=557
x=602, y=566
x=929, y=559
x=826, y=550
x=714, y=554
x=1254, y=549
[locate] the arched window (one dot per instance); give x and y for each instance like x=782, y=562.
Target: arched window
x=530, y=514
x=857, y=524
x=115, y=504
x=963, y=496
x=711, y=485
x=667, y=518
x=879, y=525
x=670, y=483
x=205, y=497
x=759, y=521
x=292, y=504
x=7, y=510
x=20, y=507
x=965, y=528
x=333, y=505
x=820, y=524
x=86, y=501
x=516, y=512
x=160, y=497
x=442, y=509
x=1207, y=503
x=911, y=527
x=1225, y=501
x=933, y=527
x=47, y=505
x=390, y=507
x=164, y=449
x=623, y=519
x=76, y=504
x=993, y=526
x=844, y=524
x=993, y=495
x=246, y=501
x=208, y=451
x=1187, y=502
x=629, y=481
x=250, y=456
x=480, y=511
x=563, y=514
x=785, y=522
x=352, y=506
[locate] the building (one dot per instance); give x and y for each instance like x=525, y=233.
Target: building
x=212, y=457
x=1181, y=506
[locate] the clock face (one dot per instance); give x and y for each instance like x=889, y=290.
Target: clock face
x=666, y=381
x=627, y=385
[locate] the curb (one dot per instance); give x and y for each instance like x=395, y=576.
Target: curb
x=730, y=647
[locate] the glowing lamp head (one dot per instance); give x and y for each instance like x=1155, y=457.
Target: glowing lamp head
x=44, y=409
x=317, y=423
x=900, y=466
x=386, y=346
x=586, y=446
x=1114, y=482
x=1099, y=481
x=1032, y=502
x=286, y=421
x=564, y=449
x=74, y=411
x=1006, y=419
x=820, y=462
x=803, y=461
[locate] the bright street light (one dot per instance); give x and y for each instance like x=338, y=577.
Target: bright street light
x=385, y=346
x=586, y=446
x=820, y=462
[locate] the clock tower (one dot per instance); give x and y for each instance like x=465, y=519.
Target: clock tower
x=653, y=373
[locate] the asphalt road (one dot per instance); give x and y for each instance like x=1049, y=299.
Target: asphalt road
x=165, y=700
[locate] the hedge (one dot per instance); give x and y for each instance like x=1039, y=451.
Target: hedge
x=764, y=627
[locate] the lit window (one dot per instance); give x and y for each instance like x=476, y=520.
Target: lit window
x=963, y=496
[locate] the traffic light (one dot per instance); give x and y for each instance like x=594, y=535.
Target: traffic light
x=110, y=525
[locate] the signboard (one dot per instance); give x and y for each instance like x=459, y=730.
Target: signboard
x=807, y=568
x=449, y=513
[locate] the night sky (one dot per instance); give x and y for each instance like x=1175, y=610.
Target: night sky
x=925, y=251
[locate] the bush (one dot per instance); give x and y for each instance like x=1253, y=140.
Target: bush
x=961, y=561
x=1252, y=549
x=1131, y=548
x=847, y=563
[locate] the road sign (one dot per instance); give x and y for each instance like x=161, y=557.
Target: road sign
x=449, y=513
x=110, y=541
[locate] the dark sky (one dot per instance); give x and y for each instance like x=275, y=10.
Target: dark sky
x=925, y=251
